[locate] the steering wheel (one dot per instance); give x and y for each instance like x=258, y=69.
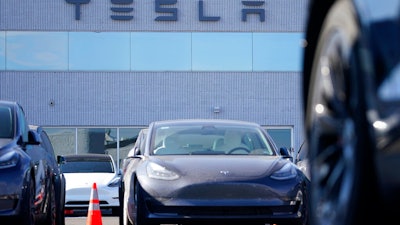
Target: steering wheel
x=239, y=149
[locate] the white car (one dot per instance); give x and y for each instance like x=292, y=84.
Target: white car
x=80, y=172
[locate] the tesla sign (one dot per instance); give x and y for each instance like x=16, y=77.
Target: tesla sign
x=121, y=10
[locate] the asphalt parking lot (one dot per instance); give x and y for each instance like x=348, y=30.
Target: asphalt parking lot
x=80, y=220
x=80, y=217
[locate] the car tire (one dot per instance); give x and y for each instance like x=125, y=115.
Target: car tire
x=115, y=211
x=125, y=218
x=305, y=206
x=51, y=213
x=336, y=125
x=60, y=214
x=29, y=205
x=139, y=205
x=60, y=206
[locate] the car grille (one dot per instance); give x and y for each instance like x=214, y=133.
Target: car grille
x=225, y=211
x=84, y=203
x=8, y=204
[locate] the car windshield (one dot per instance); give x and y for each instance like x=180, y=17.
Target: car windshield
x=210, y=140
x=6, y=125
x=87, y=167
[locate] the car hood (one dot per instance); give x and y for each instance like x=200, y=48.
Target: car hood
x=4, y=142
x=215, y=167
x=79, y=180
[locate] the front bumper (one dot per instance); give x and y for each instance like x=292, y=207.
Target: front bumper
x=244, y=203
x=80, y=197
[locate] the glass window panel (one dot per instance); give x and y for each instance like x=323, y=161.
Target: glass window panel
x=37, y=50
x=111, y=143
x=2, y=50
x=222, y=51
x=281, y=136
x=62, y=139
x=99, y=51
x=91, y=140
x=67, y=141
x=155, y=51
x=127, y=138
x=277, y=51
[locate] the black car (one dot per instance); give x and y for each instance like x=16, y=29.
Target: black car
x=24, y=194
x=212, y=172
x=54, y=178
x=137, y=148
x=351, y=83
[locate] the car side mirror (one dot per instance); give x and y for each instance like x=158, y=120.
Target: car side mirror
x=136, y=152
x=60, y=159
x=34, y=138
x=285, y=153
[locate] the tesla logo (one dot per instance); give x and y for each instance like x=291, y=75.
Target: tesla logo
x=224, y=172
x=122, y=10
x=78, y=4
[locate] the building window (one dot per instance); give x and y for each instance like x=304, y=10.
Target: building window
x=36, y=50
x=161, y=51
x=277, y=51
x=222, y=51
x=2, y=50
x=283, y=136
x=150, y=51
x=116, y=142
x=99, y=51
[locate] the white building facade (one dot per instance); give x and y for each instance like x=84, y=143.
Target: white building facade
x=94, y=72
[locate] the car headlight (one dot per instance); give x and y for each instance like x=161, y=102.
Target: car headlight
x=288, y=171
x=159, y=172
x=114, y=182
x=9, y=160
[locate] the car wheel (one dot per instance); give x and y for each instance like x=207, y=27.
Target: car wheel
x=125, y=211
x=139, y=205
x=305, y=206
x=115, y=211
x=29, y=205
x=121, y=203
x=336, y=125
x=51, y=208
x=140, y=213
x=60, y=207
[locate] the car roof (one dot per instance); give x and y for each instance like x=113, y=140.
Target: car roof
x=87, y=157
x=205, y=121
x=8, y=103
x=36, y=128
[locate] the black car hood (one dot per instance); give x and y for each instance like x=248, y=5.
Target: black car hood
x=216, y=166
x=4, y=142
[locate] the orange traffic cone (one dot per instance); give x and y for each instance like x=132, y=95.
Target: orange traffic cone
x=94, y=213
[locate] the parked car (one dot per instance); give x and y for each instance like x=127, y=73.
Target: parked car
x=81, y=171
x=351, y=83
x=137, y=148
x=54, y=179
x=212, y=171
x=25, y=194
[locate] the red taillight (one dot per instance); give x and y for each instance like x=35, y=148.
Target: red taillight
x=68, y=211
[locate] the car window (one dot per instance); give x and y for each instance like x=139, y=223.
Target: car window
x=210, y=140
x=87, y=167
x=6, y=125
x=47, y=144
